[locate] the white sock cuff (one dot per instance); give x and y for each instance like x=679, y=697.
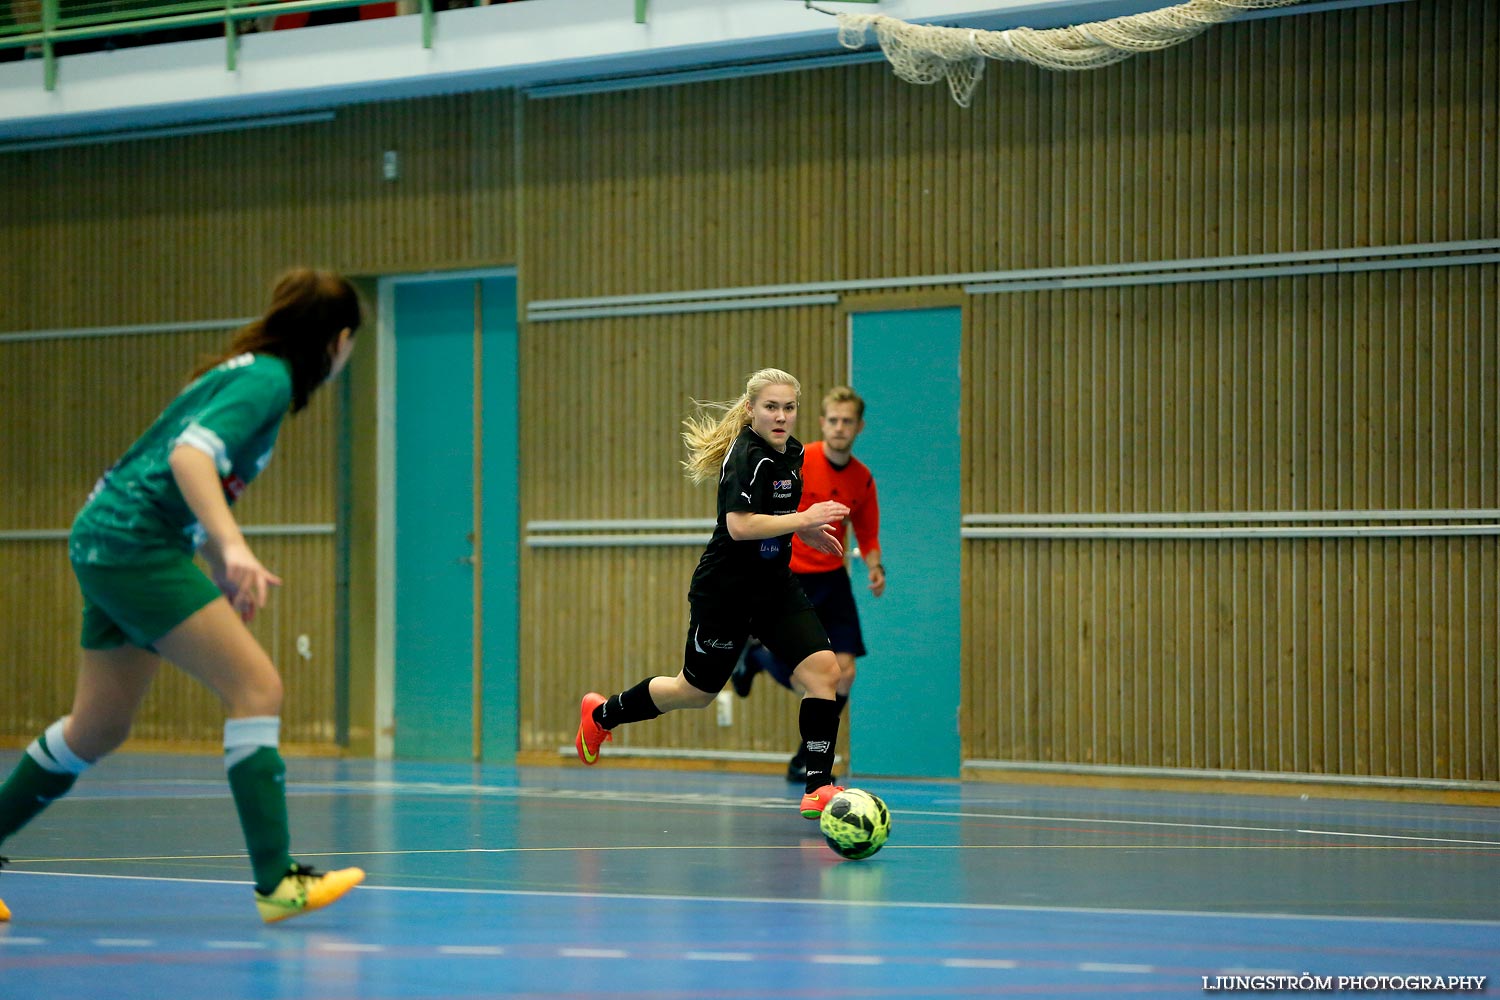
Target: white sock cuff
x=242, y=737
x=52, y=752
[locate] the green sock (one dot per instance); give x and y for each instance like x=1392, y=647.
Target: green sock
x=46, y=771
x=29, y=789
x=258, y=782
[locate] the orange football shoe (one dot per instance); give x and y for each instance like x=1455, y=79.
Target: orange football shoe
x=815, y=801
x=591, y=735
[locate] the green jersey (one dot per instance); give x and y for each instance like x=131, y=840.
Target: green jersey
x=231, y=413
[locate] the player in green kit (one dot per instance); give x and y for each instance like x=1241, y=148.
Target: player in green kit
x=144, y=599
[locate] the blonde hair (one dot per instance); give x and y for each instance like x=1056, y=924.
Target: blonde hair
x=844, y=394
x=708, y=437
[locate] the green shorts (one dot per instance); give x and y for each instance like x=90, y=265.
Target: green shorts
x=140, y=603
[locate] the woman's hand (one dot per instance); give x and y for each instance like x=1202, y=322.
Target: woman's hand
x=822, y=538
x=245, y=582
x=234, y=568
x=825, y=513
x=818, y=532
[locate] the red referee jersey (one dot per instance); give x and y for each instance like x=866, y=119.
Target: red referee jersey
x=854, y=487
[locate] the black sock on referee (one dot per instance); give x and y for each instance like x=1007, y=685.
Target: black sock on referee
x=819, y=721
x=634, y=705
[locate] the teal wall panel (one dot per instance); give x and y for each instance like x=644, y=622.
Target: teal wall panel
x=904, y=706
x=434, y=670
x=500, y=513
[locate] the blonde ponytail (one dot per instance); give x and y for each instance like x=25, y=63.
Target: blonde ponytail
x=709, y=438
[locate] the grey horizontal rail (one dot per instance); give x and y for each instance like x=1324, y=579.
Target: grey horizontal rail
x=256, y=530
x=123, y=331
x=614, y=541
x=1230, y=517
x=1230, y=274
x=1263, y=531
x=1160, y=525
x=685, y=306
x=1194, y=264
x=626, y=524
x=1219, y=774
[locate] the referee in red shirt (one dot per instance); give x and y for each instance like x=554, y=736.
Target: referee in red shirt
x=830, y=472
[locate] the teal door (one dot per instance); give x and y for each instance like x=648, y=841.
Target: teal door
x=904, y=707
x=456, y=541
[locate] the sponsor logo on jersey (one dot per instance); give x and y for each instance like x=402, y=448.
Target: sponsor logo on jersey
x=770, y=548
x=699, y=640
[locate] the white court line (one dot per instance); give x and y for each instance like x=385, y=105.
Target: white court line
x=981, y=963
x=22, y=940
x=124, y=942
x=846, y=959
x=1114, y=967
x=718, y=956
x=618, y=796
x=865, y=904
x=350, y=946
x=592, y=953
x=1395, y=836
x=236, y=945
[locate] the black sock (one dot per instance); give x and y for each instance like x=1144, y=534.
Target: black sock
x=818, y=720
x=634, y=705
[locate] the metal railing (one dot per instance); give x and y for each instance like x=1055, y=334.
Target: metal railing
x=56, y=22
x=44, y=24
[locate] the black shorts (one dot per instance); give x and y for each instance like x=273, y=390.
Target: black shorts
x=832, y=597
x=788, y=627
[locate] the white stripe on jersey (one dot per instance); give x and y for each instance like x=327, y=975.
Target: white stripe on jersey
x=195, y=435
x=754, y=472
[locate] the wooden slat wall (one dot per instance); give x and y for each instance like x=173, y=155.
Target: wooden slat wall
x=88, y=398
x=197, y=227
x=1363, y=127
x=1350, y=656
x=40, y=615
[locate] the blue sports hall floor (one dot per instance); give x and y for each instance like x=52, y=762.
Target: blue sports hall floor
x=625, y=883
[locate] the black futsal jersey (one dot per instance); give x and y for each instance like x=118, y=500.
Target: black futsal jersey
x=757, y=479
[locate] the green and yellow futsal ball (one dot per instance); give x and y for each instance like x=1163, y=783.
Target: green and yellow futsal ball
x=855, y=823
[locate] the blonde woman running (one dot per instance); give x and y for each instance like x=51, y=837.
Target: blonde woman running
x=132, y=550
x=743, y=585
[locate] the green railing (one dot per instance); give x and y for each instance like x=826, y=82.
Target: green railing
x=46, y=24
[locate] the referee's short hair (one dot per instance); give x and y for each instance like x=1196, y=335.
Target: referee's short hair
x=844, y=394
